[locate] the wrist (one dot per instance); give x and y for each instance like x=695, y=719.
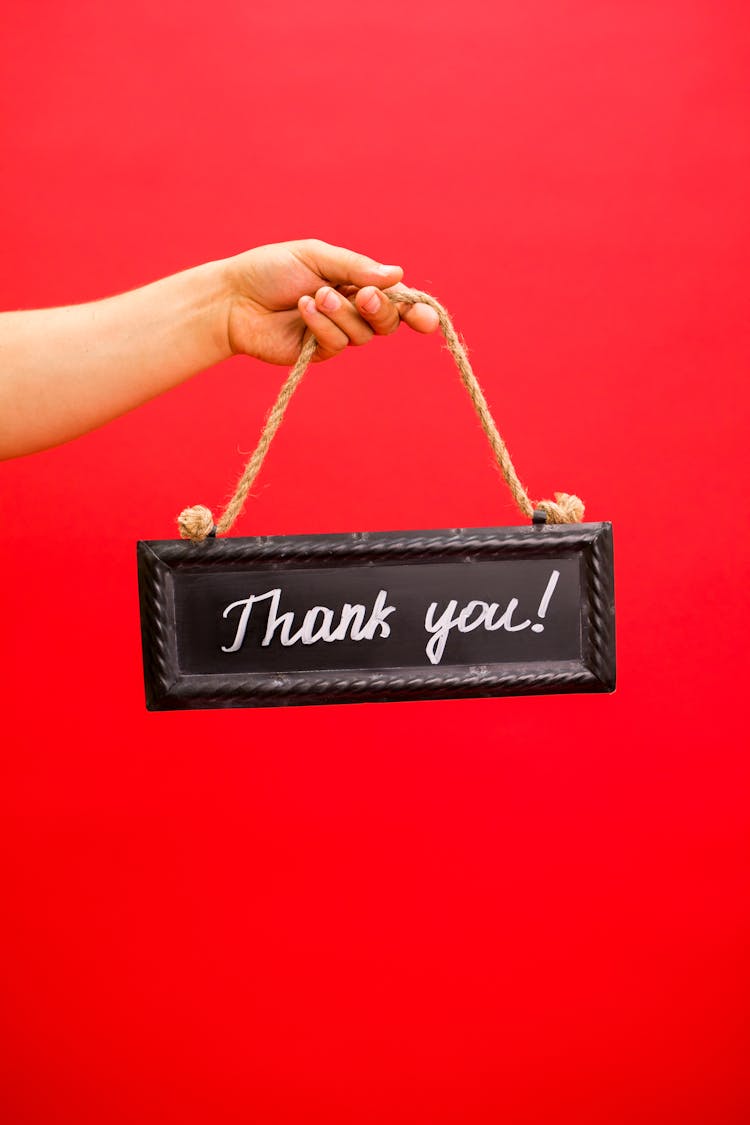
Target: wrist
x=211, y=297
x=243, y=312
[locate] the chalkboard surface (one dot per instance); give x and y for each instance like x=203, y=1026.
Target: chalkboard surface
x=377, y=616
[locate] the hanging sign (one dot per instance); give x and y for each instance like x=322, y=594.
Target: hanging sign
x=377, y=617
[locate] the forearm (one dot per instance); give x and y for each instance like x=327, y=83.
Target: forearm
x=67, y=370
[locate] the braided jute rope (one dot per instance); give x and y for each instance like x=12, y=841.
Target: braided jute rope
x=198, y=523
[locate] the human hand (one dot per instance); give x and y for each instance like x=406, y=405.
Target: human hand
x=280, y=295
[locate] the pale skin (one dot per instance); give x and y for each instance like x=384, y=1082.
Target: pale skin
x=65, y=371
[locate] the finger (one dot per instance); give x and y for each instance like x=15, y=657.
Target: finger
x=331, y=340
x=341, y=266
x=377, y=310
x=421, y=317
x=343, y=314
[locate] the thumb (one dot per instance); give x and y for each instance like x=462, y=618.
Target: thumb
x=341, y=266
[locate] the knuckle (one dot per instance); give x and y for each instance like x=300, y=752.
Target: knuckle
x=387, y=325
x=334, y=343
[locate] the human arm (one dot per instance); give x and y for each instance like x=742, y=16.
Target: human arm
x=65, y=371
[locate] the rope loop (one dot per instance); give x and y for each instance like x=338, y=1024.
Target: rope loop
x=197, y=523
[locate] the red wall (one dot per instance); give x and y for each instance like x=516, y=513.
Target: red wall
x=526, y=911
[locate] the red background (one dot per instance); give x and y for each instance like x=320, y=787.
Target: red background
x=523, y=911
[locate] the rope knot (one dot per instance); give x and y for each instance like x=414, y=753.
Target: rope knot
x=195, y=523
x=565, y=508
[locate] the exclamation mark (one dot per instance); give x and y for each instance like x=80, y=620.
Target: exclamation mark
x=544, y=603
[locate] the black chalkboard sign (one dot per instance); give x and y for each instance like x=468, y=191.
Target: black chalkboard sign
x=379, y=616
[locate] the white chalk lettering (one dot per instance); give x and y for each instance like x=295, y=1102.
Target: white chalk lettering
x=309, y=635
x=380, y=611
x=276, y=619
x=317, y=624
x=462, y=622
x=439, y=629
x=356, y=623
x=505, y=621
x=544, y=603
x=352, y=616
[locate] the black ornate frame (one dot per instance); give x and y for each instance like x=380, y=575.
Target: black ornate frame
x=168, y=689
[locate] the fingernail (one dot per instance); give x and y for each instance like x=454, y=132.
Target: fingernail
x=388, y=269
x=330, y=301
x=372, y=304
x=308, y=304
